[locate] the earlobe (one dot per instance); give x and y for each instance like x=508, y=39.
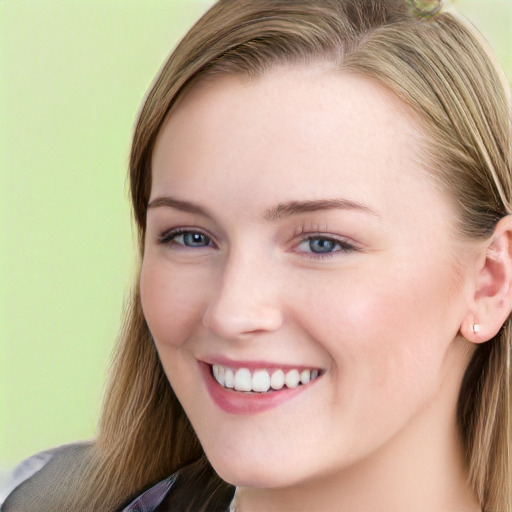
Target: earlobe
x=492, y=298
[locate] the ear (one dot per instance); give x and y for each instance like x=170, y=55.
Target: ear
x=492, y=301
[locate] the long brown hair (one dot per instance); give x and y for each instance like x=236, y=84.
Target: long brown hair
x=443, y=70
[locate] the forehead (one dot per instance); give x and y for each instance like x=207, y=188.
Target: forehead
x=314, y=92
x=300, y=130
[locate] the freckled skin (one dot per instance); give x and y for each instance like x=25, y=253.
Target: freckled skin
x=381, y=318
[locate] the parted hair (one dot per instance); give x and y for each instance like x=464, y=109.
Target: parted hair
x=444, y=71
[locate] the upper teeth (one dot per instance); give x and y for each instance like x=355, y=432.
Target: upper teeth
x=261, y=380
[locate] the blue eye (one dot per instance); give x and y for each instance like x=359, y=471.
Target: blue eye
x=191, y=239
x=318, y=246
x=322, y=245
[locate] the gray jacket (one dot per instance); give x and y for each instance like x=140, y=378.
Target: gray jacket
x=39, y=483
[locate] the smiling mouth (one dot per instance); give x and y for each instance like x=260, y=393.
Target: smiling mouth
x=262, y=380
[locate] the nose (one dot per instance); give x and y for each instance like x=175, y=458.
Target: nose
x=246, y=299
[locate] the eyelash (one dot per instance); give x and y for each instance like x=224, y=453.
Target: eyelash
x=167, y=237
x=344, y=247
x=308, y=233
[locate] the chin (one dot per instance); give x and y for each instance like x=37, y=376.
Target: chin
x=242, y=473
x=246, y=473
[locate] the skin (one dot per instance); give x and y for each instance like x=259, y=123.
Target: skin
x=380, y=314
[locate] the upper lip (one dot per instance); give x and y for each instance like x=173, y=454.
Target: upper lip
x=256, y=364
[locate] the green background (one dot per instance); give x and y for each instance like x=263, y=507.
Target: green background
x=72, y=76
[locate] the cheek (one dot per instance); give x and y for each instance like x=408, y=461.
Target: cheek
x=389, y=340
x=171, y=302
x=391, y=325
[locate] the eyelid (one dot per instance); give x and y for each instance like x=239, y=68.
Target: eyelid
x=345, y=245
x=166, y=236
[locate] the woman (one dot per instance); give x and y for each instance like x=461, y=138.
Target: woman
x=322, y=193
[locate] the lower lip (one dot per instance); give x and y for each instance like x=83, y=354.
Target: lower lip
x=238, y=402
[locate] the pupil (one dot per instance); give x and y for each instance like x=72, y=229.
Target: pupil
x=194, y=239
x=321, y=245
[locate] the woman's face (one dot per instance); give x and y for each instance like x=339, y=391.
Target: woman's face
x=293, y=237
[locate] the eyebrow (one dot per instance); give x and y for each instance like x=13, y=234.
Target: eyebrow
x=178, y=204
x=288, y=209
x=282, y=210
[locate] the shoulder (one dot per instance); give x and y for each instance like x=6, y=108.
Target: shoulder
x=42, y=481
x=35, y=482
x=193, y=487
